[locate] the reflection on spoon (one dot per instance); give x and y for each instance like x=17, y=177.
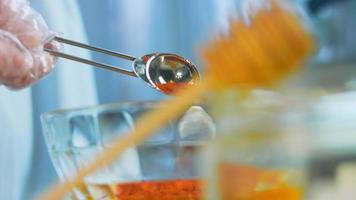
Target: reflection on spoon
x=167, y=73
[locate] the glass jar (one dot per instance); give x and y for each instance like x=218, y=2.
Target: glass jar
x=264, y=151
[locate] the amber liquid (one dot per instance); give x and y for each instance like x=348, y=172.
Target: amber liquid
x=241, y=182
x=159, y=190
x=171, y=88
x=236, y=182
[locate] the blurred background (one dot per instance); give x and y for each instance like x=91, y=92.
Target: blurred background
x=138, y=27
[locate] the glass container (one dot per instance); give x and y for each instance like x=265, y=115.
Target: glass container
x=264, y=151
x=163, y=167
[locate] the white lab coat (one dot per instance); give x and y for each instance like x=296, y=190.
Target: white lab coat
x=70, y=85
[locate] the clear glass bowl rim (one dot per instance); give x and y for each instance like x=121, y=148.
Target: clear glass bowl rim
x=97, y=108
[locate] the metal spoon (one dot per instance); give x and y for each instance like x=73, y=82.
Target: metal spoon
x=165, y=72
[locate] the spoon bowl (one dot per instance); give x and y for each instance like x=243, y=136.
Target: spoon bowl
x=167, y=73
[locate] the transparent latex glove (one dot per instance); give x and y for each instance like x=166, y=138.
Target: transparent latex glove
x=23, y=35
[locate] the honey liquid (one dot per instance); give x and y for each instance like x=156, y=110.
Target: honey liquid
x=158, y=190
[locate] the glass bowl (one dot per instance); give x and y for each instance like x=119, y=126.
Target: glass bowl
x=164, y=166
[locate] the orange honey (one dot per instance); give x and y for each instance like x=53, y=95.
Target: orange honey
x=241, y=182
x=187, y=189
x=161, y=190
x=171, y=88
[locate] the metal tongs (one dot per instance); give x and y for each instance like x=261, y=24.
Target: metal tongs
x=162, y=71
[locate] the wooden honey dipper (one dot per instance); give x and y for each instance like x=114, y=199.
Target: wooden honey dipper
x=272, y=46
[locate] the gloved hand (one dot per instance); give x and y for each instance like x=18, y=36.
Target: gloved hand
x=23, y=35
